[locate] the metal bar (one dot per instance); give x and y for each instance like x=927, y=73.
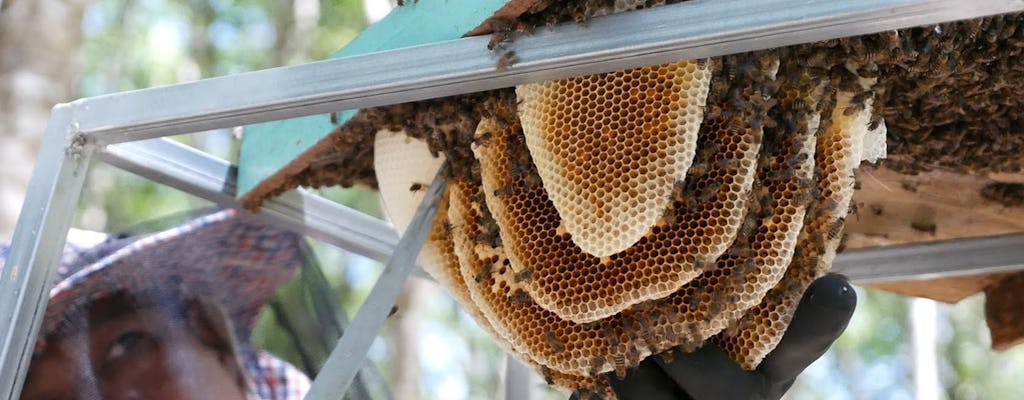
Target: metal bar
x=941, y=259
x=195, y=172
x=198, y=173
x=519, y=381
x=36, y=247
x=689, y=30
x=348, y=357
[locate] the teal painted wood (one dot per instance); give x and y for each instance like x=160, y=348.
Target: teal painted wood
x=268, y=147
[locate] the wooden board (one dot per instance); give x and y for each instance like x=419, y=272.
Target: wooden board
x=897, y=209
x=273, y=151
x=1004, y=312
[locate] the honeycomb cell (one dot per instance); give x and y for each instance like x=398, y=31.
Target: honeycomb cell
x=610, y=147
x=404, y=168
x=405, y=158
x=713, y=263
x=537, y=242
x=737, y=280
x=839, y=152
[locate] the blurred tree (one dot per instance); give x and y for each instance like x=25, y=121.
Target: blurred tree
x=34, y=75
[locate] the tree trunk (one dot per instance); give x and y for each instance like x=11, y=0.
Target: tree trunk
x=406, y=326
x=39, y=42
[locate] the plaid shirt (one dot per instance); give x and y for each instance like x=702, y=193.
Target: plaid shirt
x=276, y=379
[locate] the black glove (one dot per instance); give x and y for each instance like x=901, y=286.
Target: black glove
x=708, y=373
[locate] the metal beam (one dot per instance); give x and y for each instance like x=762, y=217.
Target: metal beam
x=39, y=236
x=197, y=173
x=941, y=259
x=348, y=356
x=690, y=30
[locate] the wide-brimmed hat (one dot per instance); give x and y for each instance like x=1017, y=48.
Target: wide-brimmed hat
x=233, y=259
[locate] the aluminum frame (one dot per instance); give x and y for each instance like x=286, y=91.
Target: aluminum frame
x=78, y=129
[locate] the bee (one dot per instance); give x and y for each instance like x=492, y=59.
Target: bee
x=691, y=341
x=692, y=203
x=523, y=275
x=728, y=163
x=506, y=60
x=693, y=303
x=797, y=159
x=519, y=297
x=875, y=121
x=546, y=372
x=853, y=109
x=610, y=336
x=747, y=229
x=504, y=191
x=553, y=342
x=498, y=40
x=670, y=216
x=486, y=268
x=714, y=311
x=668, y=356
x=619, y=361
x=705, y=265
x=596, y=364
x=741, y=251
x=709, y=194
x=531, y=181
x=804, y=197
x=924, y=226
x=862, y=97
x=830, y=205
x=836, y=228
x=491, y=237
x=483, y=139
x=446, y=230
x=632, y=355
x=520, y=170
x=696, y=170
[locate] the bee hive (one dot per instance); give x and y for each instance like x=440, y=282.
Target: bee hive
x=591, y=222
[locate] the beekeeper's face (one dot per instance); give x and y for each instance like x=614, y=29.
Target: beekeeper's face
x=117, y=349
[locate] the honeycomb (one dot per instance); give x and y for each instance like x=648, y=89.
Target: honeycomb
x=609, y=148
x=699, y=310
x=946, y=93
x=754, y=220
x=840, y=149
x=404, y=168
x=701, y=224
x=399, y=160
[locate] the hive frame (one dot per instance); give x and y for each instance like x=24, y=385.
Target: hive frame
x=87, y=128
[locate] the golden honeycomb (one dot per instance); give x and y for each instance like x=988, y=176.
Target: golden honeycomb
x=610, y=147
x=711, y=264
x=400, y=160
x=620, y=341
x=686, y=239
x=404, y=169
x=573, y=315
x=840, y=149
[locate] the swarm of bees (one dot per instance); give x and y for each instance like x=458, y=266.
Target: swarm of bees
x=587, y=232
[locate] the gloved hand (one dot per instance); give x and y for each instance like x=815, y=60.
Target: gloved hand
x=708, y=373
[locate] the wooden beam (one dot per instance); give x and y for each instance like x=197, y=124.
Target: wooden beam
x=1004, y=312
